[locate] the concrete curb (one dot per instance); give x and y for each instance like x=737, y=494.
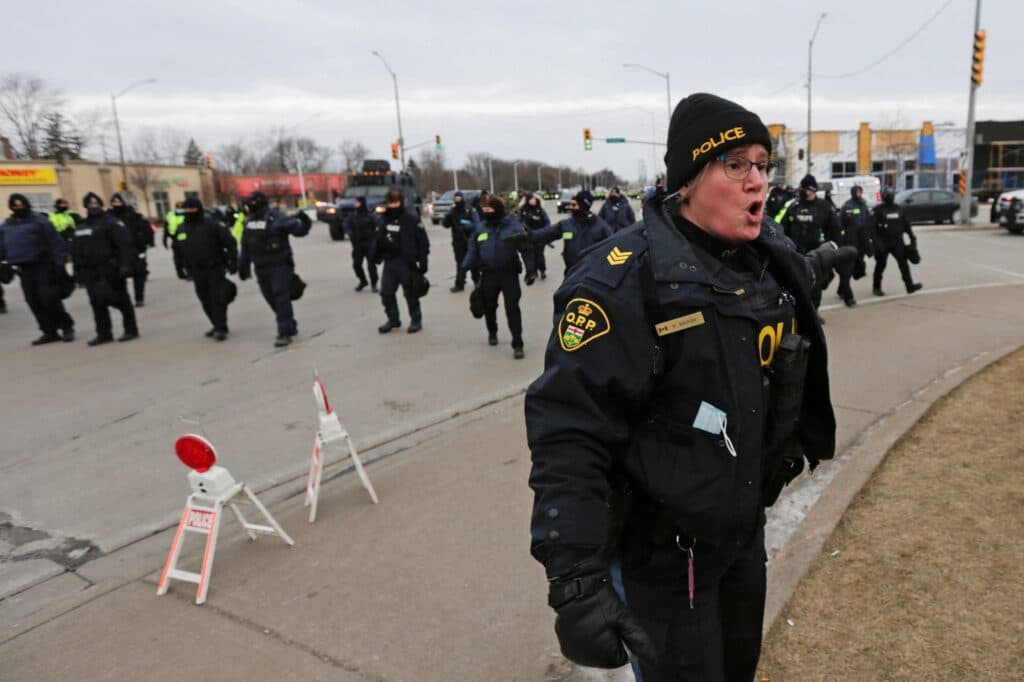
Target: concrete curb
x=792, y=561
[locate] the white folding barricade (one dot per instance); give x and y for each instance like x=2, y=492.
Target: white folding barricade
x=213, y=488
x=329, y=430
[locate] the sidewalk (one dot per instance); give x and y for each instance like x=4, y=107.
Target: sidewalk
x=436, y=582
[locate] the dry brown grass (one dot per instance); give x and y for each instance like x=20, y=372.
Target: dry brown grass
x=929, y=580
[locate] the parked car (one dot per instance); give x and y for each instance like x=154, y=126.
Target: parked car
x=439, y=209
x=1012, y=216
x=1002, y=202
x=933, y=205
x=563, y=200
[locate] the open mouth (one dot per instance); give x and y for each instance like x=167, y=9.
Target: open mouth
x=754, y=209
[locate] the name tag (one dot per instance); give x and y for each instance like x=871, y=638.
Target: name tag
x=804, y=218
x=567, y=235
x=84, y=232
x=892, y=216
x=256, y=225
x=679, y=324
x=394, y=228
x=482, y=237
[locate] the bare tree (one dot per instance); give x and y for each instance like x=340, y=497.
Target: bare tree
x=235, y=158
x=432, y=175
x=141, y=173
x=171, y=144
x=24, y=103
x=353, y=154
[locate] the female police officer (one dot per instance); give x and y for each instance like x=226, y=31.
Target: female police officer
x=684, y=384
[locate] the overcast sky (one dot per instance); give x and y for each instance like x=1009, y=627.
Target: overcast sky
x=516, y=79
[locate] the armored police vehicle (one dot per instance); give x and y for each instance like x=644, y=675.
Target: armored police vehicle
x=373, y=182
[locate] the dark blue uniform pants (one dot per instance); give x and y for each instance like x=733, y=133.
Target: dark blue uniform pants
x=110, y=291
x=397, y=271
x=275, y=285
x=211, y=285
x=361, y=252
x=720, y=637
x=507, y=285
x=139, y=276
x=459, y=248
x=42, y=293
x=899, y=252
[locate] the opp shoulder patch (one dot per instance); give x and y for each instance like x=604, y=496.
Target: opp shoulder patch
x=582, y=322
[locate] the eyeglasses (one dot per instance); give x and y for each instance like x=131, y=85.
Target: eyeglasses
x=738, y=167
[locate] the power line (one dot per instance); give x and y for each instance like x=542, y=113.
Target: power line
x=893, y=51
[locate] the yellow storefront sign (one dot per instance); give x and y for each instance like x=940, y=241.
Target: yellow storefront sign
x=27, y=175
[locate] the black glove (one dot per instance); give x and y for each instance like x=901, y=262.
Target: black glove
x=422, y=269
x=592, y=623
x=304, y=219
x=182, y=273
x=232, y=267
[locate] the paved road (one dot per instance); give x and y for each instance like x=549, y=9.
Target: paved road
x=86, y=459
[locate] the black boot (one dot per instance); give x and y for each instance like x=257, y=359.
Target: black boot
x=388, y=326
x=877, y=291
x=100, y=339
x=129, y=335
x=282, y=341
x=414, y=327
x=492, y=339
x=45, y=339
x=914, y=286
x=360, y=286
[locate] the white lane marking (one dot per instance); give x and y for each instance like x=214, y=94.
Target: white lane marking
x=922, y=294
x=993, y=268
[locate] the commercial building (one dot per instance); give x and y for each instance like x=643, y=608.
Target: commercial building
x=902, y=159
x=154, y=188
x=282, y=187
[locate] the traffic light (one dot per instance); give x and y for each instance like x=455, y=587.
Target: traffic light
x=588, y=142
x=978, y=57
x=962, y=189
x=122, y=186
x=394, y=150
x=437, y=141
x=209, y=161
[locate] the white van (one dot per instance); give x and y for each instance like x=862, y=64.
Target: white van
x=871, y=186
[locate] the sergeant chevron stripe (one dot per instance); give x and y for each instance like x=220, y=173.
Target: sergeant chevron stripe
x=618, y=256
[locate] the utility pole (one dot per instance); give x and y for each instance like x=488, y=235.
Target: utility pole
x=515, y=176
x=455, y=179
x=398, y=110
x=490, y=173
x=540, y=186
x=810, y=50
x=976, y=59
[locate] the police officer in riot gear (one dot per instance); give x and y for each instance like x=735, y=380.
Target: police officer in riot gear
x=206, y=250
x=361, y=227
x=616, y=211
x=29, y=243
x=495, y=247
x=402, y=245
x=463, y=221
x=807, y=220
x=142, y=238
x=104, y=256
x=266, y=248
x=581, y=230
x=855, y=228
x=534, y=218
x=684, y=385
x=890, y=222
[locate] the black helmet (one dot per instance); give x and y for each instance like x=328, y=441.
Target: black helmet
x=256, y=202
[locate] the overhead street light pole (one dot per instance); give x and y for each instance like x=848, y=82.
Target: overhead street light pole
x=515, y=175
x=668, y=87
x=398, y=110
x=117, y=124
x=810, y=48
x=965, y=200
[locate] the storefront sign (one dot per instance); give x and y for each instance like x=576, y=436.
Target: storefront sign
x=27, y=175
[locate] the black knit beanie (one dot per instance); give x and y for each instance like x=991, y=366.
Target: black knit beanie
x=703, y=127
